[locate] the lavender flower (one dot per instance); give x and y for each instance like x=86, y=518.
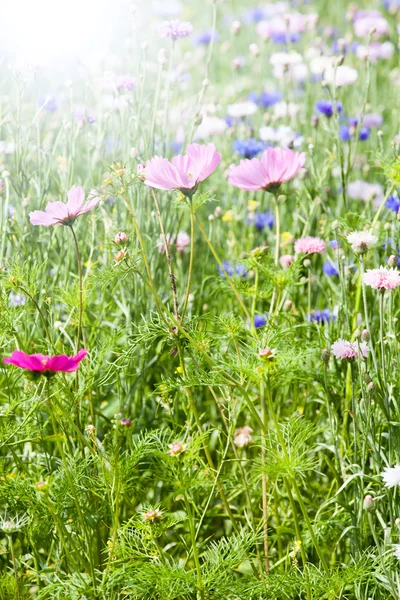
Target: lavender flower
x=175, y=30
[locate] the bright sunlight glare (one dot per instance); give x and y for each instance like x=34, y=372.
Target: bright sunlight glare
x=50, y=30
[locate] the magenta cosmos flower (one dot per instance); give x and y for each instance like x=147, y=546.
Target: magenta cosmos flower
x=275, y=166
x=309, y=245
x=184, y=172
x=382, y=278
x=61, y=213
x=42, y=364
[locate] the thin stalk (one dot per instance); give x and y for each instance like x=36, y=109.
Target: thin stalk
x=80, y=290
x=14, y=562
x=168, y=256
x=264, y=480
x=145, y=259
x=185, y=302
x=4, y=219
x=381, y=333
x=232, y=285
x=292, y=482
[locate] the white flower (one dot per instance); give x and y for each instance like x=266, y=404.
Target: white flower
x=319, y=64
x=283, y=110
x=396, y=548
x=285, y=58
x=361, y=241
x=362, y=190
x=341, y=76
x=210, y=126
x=242, y=109
x=391, y=476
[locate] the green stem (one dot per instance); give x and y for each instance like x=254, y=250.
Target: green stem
x=14, y=562
x=185, y=302
x=232, y=285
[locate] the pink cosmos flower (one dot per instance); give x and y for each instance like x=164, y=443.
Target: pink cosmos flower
x=40, y=363
x=61, y=213
x=382, y=278
x=343, y=349
x=275, y=166
x=309, y=245
x=185, y=172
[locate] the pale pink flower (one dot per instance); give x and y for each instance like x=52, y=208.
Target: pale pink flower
x=364, y=24
x=275, y=166
x=383, y=278
x=61, y=213
x=286, y=260
x=185, y=172
x=309, y=245
x=343, y=349
x=182, y=241
x=242, y=436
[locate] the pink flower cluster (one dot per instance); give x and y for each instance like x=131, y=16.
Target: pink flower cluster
x=309, y=245
x=343, y=349
x=383, y=278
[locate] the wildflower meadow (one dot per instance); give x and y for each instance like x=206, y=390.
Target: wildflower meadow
x=199, y=313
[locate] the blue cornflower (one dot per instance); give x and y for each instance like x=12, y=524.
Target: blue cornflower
x=393, y=203
x=331, y=269
x=248, y=148
x=364, y=134
x=260, y=320
x=281, y=37
x=321, y=316
x=204, y=38
x=346, y=133
x=334, y=244
x=232, y=269
x=265, y=99
x=48, y=103
x=254, y=14
x=261, y=220
x=326, y=107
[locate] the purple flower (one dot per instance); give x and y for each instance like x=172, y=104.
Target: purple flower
x=261, y=220
x=265, y=99
x=281, y=37
x=346, y=133
x=260, y=320
x=248, y=148
x=326, y=107
x=330, y=269
x=48, y=103
x=321, y=316
x=232, y=269
x=175, y=30
x=393, y=203
x=205, y=37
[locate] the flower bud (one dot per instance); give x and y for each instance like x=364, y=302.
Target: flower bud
x=120, y=255
x=120, y=238
x=365, y=335
x=392, y=260
x=254, y=49
x=125, y=422
x=325, y=355
x=235, y=27
x=368, y=503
